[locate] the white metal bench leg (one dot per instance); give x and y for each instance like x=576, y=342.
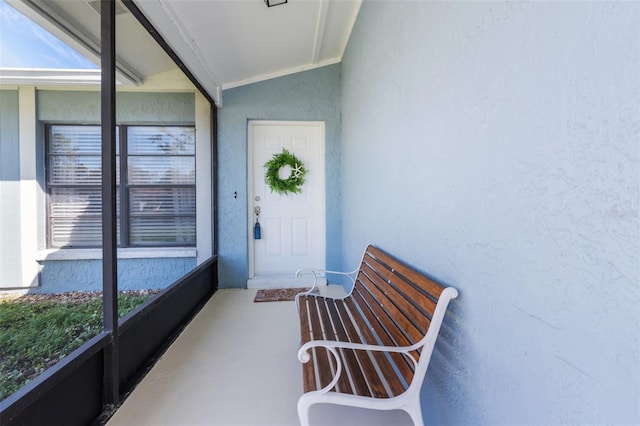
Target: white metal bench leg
x=411, y=404
x=416, y=415
x=303, y=411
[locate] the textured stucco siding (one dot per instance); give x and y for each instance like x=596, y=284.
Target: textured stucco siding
x=144, y=108
x=501, y=144
x=133, y=274
x=307, y=96
x=10, y=248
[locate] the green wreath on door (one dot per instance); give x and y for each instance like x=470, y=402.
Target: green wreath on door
x=292, y=183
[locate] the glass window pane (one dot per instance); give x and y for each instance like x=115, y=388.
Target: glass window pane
x=79, y=231
x=75, y=201
x=162, y=201
x=75, y=140
x=149, y=170
x=71, y=170
x=153, y=231
x=150, y=140
x=82, y=170
x=76, y=217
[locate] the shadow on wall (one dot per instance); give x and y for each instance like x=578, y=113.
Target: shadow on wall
x=448, y=375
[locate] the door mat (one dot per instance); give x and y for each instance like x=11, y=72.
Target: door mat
x=280, y=294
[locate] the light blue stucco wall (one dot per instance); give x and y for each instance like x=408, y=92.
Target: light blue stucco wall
x=133, y=274
x=10, y=247
x=131, y=108
x=81, y=107
x=307, y=96
x=502, y=148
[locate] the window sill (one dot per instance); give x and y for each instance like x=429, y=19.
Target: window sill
x=126, y=253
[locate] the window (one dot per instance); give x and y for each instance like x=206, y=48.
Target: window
x=156, y=194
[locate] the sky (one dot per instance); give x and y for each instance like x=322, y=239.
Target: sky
x=23, y=44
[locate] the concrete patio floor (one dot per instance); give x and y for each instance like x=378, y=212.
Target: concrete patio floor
x=236, y=364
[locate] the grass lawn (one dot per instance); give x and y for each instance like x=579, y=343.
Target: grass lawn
x=36, y=335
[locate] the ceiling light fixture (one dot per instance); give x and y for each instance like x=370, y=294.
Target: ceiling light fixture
x=274, y=2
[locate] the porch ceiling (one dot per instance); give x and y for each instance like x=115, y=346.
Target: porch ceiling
x=225, y=43
x=229, y=43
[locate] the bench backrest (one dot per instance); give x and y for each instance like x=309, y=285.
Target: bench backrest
x=402, y=307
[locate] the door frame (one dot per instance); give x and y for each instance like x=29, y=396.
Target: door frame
x=250, y=192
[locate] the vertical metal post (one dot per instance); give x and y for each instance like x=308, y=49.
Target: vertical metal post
x=109, y=247
x=214, y=175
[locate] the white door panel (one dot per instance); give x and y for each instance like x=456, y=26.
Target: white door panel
x=292, y=225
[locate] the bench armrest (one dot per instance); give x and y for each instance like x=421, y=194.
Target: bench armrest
x=304, y=356
x=334, y=346
x=315, y=273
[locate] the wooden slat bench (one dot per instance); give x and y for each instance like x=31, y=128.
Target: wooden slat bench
x=371, y=348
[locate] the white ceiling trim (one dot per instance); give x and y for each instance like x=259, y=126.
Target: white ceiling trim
x=43, y=76
x=281, y=73
x=187, y=37
x=320, y=27
x=352, y=24
x=166, y=23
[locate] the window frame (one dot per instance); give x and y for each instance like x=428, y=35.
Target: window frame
x=123, y=189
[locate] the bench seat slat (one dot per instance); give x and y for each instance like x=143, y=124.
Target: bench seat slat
x=404, y=290
x=338, y=321
x=411, y=275
x=324, y=323
x=344, y=384
x=305, y=328
x=375, y=334
x=408, y=331
x=389, y=301
x=352, y=365
x=308, y=370
x=364, y=361
x=390, y=335
x=387, y=324
x=322, y=355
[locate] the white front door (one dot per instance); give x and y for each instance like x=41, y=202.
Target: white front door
x=292, y=226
